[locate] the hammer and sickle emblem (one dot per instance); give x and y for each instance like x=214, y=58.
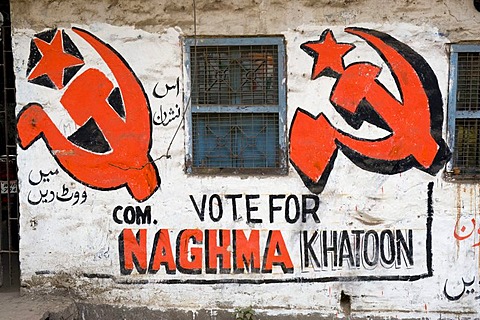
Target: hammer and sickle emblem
x=111, y=148
x=414, y=123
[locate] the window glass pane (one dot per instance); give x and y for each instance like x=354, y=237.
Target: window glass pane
x=468, y=81
x=467, y=151
x=235, y=140
x=234, y=75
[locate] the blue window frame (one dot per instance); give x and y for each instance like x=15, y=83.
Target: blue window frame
x=237, y=105
x=464, y=110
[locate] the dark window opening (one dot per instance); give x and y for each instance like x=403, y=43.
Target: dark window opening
x=9, y=237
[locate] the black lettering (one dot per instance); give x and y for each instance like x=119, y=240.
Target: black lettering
x=287, y=209
x=115, y=217
x=332, y=248
x=403, y=249
x=144, y=217
x=366, y=245
x=387, y=254
x=200, y=212
x=219, y=205
x=308, y=251
x=312, y=211
x=129, y=215
x=358, y=243
x=345, y=245
x=251, y=208
x=272, y=207
x=234, y=197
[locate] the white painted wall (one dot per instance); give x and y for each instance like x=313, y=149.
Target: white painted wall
x=75, y=246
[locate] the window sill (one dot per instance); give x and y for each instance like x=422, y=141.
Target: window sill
x=237, y=171
x=452, y=176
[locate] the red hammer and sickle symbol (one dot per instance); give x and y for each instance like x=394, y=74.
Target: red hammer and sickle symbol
x=415, y=123
x=127, y=163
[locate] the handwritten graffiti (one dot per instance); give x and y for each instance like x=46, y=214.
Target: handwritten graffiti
x=466, y=289
x=165, y=116
x=111, y=147
x=48, y=195
x=167, y=88
x=414, y=123
x=42, y=177
x=462, y=233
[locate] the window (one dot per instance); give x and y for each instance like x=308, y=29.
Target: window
x=464, y=110
x=237, y=101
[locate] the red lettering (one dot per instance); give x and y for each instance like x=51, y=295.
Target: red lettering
x=133, y=251
x=218, y=252
x=162, y=253
x=246, y=251
x=189, y=259
x=276, y=253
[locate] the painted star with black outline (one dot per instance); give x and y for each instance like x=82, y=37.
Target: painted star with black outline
x=54, y=60
x=328, y=55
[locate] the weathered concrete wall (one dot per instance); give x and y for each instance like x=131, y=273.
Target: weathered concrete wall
x=383, y=238
x=456, y=19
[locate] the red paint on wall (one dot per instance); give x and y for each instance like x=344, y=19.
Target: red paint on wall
x=125, y=161
x=414, y=122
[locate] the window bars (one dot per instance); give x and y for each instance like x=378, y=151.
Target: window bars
x=464, y=110
x=237, y=101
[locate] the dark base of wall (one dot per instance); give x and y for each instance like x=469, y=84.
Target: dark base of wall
x=108, y=312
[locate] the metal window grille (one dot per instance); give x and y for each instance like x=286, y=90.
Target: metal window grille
x=464, y=112
x=237, y=101
x=235, y=75
x=229, y=140
x=9, y=237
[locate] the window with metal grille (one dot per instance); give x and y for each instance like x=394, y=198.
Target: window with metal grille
x=237, y=102
x=464, y=110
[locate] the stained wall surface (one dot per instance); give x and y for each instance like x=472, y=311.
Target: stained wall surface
x=365, y=221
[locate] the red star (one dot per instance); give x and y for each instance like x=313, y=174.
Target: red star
x=328, y=54
x=54, y=60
